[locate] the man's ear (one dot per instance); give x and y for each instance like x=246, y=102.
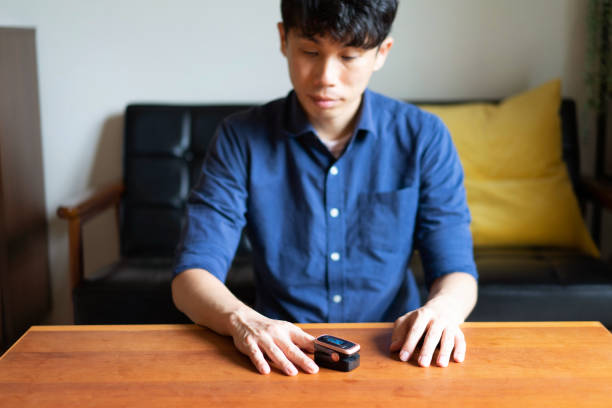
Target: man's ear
x=283, y=38
x=382, y=53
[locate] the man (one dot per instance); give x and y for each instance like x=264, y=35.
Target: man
x=337, y=185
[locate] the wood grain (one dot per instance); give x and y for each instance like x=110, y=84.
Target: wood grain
x=508, y=364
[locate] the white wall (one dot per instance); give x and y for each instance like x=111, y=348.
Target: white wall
x=95, y=57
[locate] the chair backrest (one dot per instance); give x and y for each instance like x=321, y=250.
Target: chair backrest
x=164, y=147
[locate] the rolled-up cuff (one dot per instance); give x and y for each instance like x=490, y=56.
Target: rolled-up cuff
x=447, y=250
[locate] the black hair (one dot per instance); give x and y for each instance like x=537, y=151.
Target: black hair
x=354, y=23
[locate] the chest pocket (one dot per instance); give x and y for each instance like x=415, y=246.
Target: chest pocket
x=386, y=220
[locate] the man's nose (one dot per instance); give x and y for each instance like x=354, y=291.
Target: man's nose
x=327, y=73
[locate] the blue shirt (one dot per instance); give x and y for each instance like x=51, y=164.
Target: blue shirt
x=332, y=238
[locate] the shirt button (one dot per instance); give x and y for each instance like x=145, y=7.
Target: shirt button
x=337, y=298
x=333, y=170
x=335, y=256
x=334, y=212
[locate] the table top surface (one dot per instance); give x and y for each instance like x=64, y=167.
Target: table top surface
x=507, y=364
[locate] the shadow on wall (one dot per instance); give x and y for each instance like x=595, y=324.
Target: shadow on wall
x=100, y=235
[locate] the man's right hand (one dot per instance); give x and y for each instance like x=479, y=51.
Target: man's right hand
x=282, y=342
x=208, y=302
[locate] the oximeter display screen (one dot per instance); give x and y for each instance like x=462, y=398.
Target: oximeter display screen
x=337, y=342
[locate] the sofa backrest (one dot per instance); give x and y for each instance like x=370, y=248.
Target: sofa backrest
x=164, y=147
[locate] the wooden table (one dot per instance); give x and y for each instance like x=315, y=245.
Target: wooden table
x=507, y=364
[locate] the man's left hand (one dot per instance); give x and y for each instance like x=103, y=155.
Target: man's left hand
x=430, y=324
x=437, y=323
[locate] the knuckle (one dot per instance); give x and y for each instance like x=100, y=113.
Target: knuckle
x=434, y=327
x=421, y=313
x=426, y=312
x=253, y=350
x=278, y=354
x=291, y=349
x=400, y=320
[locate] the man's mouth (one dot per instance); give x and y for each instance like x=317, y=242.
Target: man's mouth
x=324, y=101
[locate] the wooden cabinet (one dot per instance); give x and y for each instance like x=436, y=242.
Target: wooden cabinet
x=24, y=266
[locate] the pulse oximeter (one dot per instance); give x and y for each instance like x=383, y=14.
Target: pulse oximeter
x=336, y=353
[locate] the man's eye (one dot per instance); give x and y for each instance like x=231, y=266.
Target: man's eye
x=311, y=53
x=349, y=57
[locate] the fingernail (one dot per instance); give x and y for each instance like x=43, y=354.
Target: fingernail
x=459, y=358
x=292, y=371
x=424, y=361
x=404, y=355
x=313, y=368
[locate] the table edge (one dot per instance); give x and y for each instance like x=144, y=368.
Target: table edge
x=372, y=325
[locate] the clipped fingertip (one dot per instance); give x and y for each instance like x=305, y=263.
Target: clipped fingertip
x=264, y=369
x=459, y=358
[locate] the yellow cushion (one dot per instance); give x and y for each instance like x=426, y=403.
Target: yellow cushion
x=517, y=184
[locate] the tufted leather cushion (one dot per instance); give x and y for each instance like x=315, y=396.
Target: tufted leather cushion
x=163, y=154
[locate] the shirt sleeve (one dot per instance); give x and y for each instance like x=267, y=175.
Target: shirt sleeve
x=215, y=213
x=443, y=235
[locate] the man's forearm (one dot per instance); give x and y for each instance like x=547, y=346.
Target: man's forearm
x=205, y=299
x=456, y=292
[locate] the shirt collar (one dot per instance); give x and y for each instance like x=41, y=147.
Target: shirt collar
x=297, y=122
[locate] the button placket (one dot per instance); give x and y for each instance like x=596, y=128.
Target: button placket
x=335, y=243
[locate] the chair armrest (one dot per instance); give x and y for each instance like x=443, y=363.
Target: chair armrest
x=80, y=210
x=91, y=202
x=598, y=190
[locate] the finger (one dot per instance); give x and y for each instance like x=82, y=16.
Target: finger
x=432, y=338
x=460, y=346
x=302, y=339
x=415, y=332
x=446, y=347
x=400, y=328
x=277, y=356
x=257, y=358
x=295, y=355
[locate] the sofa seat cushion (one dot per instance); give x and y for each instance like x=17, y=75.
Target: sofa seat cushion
x=131, y=291
x=542, y=284
x=558, y=266
x=137, y=290
x=538, y=284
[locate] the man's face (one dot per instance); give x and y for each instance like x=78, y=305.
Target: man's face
x=328, y=77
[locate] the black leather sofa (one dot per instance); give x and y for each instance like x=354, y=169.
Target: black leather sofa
x=164, y=147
